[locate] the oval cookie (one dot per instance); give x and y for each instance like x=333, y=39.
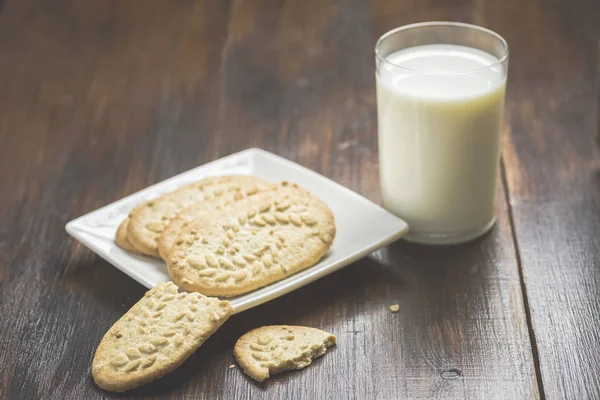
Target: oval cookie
x=272, y=349
x=191, y=214
x=252, y=243
x=121, y=237
x=148, y=221
x=155, y=336
x=178, y=224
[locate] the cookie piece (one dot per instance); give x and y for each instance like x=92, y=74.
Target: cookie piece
x=156, y=336
x=274, y=349
x=252, y=243
x=146, y=223
x=121, y=237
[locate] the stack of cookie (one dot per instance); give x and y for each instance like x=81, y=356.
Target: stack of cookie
x=229, y=235
x=221, y=236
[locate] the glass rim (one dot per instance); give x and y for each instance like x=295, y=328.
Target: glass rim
x=490, y=32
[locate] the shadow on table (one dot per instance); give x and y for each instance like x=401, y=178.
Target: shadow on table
x=90, y=276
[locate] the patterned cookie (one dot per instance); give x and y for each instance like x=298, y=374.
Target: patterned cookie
x=146, y=223
x=155, y=336
x=252, y=243
x=190, y=215
x=274, y=349
x=187, y=216
x=121, y=237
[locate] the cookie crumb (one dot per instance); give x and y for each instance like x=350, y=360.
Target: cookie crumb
x=395, y=308
x=232, y=366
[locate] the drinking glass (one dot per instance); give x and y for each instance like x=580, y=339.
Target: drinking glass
x=440, y=107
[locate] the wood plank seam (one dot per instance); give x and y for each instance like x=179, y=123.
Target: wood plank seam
x=532, y=339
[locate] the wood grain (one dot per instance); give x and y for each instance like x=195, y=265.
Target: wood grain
x=99, y=99
x=552, y=170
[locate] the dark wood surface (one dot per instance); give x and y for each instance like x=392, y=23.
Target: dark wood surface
x=99, y=99
x=553, y=179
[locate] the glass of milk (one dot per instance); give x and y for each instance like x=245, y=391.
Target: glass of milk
x=440, y=106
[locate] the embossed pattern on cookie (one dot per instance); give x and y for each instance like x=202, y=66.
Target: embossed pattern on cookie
x=155, y=336
x=191, y=214
x=148, y=221
x=272, y=349
x=252, y=243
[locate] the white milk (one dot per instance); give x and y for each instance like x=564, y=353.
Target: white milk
x=439, y=137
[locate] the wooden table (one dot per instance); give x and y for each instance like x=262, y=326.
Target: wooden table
x=101, y=98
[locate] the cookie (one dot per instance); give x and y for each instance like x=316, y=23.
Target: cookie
x=191, y=214
x=252, y=243
x=155, y=336
x=273, y=349
x=146, y=223
x=121, y=237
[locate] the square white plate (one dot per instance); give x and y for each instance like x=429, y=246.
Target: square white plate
x=362, y=226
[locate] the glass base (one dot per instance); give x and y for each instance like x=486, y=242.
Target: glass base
x=448, y=238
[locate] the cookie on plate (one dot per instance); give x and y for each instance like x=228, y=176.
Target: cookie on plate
x=149, y=220
x=178, y=224
x=121, y=237
x=253, y=243
x=272, y=349
x=156, y=336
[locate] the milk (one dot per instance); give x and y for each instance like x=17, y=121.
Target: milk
x=439, y=138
